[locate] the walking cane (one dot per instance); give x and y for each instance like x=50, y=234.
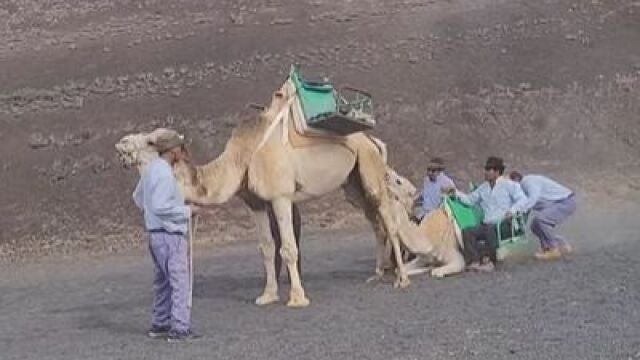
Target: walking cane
x=193, y=225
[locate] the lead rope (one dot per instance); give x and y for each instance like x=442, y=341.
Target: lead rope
x=193, y=225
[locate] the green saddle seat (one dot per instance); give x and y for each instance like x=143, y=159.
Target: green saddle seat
x=323, y=107
x=466, y=217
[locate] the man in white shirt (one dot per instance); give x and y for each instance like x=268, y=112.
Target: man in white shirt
x=500, y=199
x=552, y=203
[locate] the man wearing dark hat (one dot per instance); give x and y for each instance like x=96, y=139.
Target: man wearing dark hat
x=434, y=183
x=500, y=198
x=166, y=220
x=552, y=204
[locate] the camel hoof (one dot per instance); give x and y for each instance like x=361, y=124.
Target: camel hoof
x=437, y=273
x=266, y=299
x=374, y=278
x=298, y=302
x=401, y=283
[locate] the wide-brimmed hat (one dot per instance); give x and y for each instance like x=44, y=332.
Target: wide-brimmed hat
x=494, y=162
x=436, y=163
x=169, y=142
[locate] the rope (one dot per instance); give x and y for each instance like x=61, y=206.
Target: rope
x=193, y=225
x=282, y=115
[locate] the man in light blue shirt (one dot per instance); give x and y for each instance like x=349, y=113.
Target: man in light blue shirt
x=166, y=220
x=552, y=204
x=436, y=180
x=500, y=198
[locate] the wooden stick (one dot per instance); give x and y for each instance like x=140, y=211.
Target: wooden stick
x=193, y=225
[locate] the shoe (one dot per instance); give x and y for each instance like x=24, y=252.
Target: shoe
x=158, y=331
x=181, y=336
x=566, y=248
x=549, y=254
x=486, y=267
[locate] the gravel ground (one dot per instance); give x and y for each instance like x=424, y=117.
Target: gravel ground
x=460, y=79
x=583, y=307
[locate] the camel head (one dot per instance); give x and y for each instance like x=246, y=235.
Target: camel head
x=401, y=189
x=137, y=150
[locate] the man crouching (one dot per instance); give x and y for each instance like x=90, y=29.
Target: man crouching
x=166, y=220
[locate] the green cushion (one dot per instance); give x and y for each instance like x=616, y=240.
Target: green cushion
x=471, y=216
x=465, y=216
x=317, y=99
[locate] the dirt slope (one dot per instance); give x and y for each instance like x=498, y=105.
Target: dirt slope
x=552, y=86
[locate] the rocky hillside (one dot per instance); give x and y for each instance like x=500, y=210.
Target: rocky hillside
x=551, y=86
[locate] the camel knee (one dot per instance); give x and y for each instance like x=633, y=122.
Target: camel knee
x=289, y=254
x=268, y=248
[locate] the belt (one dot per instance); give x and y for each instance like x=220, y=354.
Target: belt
x=164, y=232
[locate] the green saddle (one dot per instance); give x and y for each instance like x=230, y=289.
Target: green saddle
x=326, y=108
x=465, y=217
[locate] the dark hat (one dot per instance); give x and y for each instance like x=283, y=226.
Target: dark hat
x=436, y=163
x=494, y=162
x=166, y=143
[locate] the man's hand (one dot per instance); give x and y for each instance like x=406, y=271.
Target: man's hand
x=449, y=190
x=195, y=209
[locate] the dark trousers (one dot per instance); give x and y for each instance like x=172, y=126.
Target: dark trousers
x=275, y=233
x=482, y=241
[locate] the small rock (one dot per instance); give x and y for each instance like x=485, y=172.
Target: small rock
x=169, y=72
x=106, y=49
x=525, y=86
x=237, y=19
x=39, y=141
x=76, y=102
x=571, y=37
x=282, y=22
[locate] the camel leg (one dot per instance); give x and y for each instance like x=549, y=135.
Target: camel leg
x=419, y=265
x=454, y=265
x=382, y=256
x=355, y=195
x=275, y=234
x=289, y=251
x=402, y=279
x=268, y=248
x=382, y=248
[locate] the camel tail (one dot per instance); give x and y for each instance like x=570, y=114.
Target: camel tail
x=382, y=147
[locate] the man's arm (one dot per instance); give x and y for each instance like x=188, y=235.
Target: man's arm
x=520, y=200
x=534, y=190
x=163, y=202
x=138, y=197
x=470, y=199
